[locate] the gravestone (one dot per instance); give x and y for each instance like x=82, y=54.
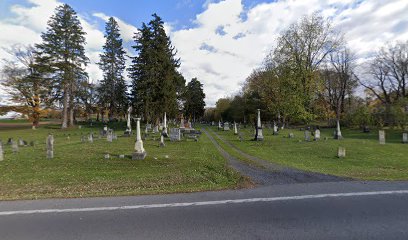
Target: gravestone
x=50, y=146
x=404, y=137
x=226, y=126
x=83, y=139
x=366, y=129
x=156, y=129
x=149, y=127
x=381, y=136
x=106, y=156
x=90, y=138
x=162, y=141
x=109, y=136
x=341, y=152
x=9, y=141
x=1, y=151
x=307, y=135
x=139, y=153
x=14, y=146
x=182, y=122
x=235, y=129
x=258, y=130
x=20, y=142
x=219, y=125
x=79, y=127
x=128, y=131
x=122, y=156
x=164, y=132
x=175, y=134
x=105, y=130
x=275, y=129
x=291, y=135
x=317, y=135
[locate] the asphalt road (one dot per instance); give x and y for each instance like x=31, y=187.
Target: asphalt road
x=330, y=210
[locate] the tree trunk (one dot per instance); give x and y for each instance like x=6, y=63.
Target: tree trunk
x=65, y=109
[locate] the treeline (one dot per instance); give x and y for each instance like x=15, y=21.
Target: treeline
x=52, y=74
x=312, y=75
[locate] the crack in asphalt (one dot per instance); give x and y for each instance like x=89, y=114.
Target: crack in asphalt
x=272, y=173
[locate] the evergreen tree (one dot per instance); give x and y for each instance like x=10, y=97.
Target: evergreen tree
x=194, y=99
x=112, y=89
x=63, y=47
x=156, y=83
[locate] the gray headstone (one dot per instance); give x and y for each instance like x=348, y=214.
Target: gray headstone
x=14, y=146
x=106, y=156
x=1, y=151
x=109, y=136
x=90, y=138
x=341, y=152
x=381, y=136
x=404, y=137
x=291, y=135
x=226, y=126
x=175, y=134
x=307, y=135
x=50, y=146
x=122, y=156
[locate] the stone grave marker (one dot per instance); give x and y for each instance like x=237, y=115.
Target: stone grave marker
x=162, y=141
x=156, y=129
x=9, y=141
x=175, y=134
x=20, y=142
x=139, y=153
x=404, y=137
x=381, y=136
x=235, y=129
x=226, y=126
x=14, y=146
x=258, y=130
x=275, y=129
x=106, y=156
x=291, y=135
x=341, y=152
x=1, y=151
x=317, y=135
x=91, y=138
x=122, y=156
x=109, y=136
x=307, y=135
x=50, y=146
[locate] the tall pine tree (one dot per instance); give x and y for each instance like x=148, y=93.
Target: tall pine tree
x=156, y=82
x=194, y=100
x=63, y=47
x=112, y=89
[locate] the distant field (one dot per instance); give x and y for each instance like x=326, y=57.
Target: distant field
x=79, y=169
x=365, y=157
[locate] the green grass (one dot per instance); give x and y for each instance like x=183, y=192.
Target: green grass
x=79, y=169
x=365, y=157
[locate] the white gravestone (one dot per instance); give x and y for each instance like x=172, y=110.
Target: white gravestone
x=405, y=138
x=235, y=129
x=90, y=138
x=275, y=129
x=164, y=132
x=341, y=152
x=139, y=153
x=109, y=136
x=50, y=146
x=307, y=135
x=162, y=141
x=381, y=136
x=317, y=135
x=258, y=131
x=128, y=123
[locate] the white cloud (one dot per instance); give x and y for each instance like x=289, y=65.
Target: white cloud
x=228, y=40
x=223, y=61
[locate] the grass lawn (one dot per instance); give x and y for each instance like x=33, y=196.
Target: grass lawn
x=365, y=157
x=80, y=170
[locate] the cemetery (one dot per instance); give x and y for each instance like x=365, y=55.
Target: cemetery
x=59, y=164
x=368, y=156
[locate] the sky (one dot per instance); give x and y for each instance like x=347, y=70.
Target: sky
x=218, y=41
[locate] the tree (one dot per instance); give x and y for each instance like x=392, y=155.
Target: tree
x=112, y=89
x=194, y=99
x=388, y=77
x=302, y=48
x=27, y=81
x=156, y=84
x=339, y=82
x=63, y=50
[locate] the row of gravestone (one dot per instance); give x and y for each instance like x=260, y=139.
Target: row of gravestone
x=15, y=146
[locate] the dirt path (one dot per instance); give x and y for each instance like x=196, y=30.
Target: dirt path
x=269, y=173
